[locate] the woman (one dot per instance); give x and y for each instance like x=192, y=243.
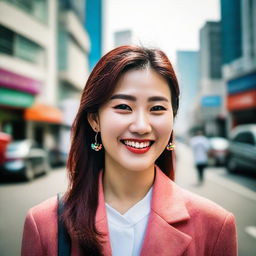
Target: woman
x=121, y=198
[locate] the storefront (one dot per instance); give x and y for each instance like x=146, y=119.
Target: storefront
x=43, y=125
x=213, y=115
x=21, y=116
x=241, y=101
x=17, y=93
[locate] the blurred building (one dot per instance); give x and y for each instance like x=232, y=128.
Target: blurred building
x=238, y=24
x=73, y=66
x=28, y=89
x=188, y=77
x=43, y=65
x=212, y=107
x=123, y=37
x=93, y=25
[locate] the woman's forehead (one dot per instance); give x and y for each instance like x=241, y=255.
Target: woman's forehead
x=145, y=80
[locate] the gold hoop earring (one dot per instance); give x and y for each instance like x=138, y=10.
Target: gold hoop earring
x=96, y=146
x=170, y=146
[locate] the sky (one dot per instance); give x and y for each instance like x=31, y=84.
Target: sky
x=170, y=25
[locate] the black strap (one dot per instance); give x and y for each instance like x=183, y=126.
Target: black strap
x=64, y=243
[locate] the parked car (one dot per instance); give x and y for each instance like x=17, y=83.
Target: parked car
x=242, y=149
x=57, y=158
x=5, y=139
x=218, y=151
x=24, y=158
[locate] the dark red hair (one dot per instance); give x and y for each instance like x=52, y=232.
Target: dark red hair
x=84, y=164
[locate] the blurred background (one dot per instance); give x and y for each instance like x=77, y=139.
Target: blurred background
x=49, y=47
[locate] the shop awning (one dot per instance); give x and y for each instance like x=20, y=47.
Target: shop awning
x=43, y=113
x=242, y=101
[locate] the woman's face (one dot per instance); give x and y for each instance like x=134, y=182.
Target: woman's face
x=136, y=123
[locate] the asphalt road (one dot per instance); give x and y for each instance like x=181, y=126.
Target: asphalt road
x=236, y=193
x=15, y=200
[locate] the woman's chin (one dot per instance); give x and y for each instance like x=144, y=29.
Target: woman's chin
x=139, y=167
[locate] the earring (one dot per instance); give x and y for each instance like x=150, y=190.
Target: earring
x=96, y=146
x=170, y=146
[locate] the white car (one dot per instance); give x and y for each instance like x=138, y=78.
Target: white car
x=218, y=151
x=24, y=158
x=242, y=149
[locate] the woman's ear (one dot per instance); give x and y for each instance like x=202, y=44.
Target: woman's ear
x=93, y=120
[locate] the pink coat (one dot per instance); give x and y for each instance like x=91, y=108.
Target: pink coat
x=180, y=223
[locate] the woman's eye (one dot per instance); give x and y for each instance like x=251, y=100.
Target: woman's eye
x=158, y=108
x=123, y=107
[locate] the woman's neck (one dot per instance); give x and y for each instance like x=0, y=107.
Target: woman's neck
x=124, y=188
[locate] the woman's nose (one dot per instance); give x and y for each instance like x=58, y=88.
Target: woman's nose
x=140, y=124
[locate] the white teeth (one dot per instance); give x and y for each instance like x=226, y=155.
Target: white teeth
x=136, y=144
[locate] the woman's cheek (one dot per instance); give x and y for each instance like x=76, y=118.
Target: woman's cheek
x=163, y=124
x=113, y=124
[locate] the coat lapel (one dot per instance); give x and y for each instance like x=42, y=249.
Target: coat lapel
x=101, y=220
x=167, y=207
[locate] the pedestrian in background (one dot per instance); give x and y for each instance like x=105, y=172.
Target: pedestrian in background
x=122, y=199
x=200, y=146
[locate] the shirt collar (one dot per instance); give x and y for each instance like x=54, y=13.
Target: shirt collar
x=136, y=213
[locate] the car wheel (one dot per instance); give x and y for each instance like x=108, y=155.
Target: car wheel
x=29, y=172
x=232, y=165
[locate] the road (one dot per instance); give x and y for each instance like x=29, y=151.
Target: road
x=236, y=193
x=16, y=199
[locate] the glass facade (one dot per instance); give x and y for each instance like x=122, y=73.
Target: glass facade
x=62, y=48
x=231, y=30
x=93, y=24
x=78, y=6
x=18, y=46
x=36, y=8
x=215, y=50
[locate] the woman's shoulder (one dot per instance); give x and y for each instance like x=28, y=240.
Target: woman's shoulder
x=45, y=211
x=199, y=206
x=40, y=229
x=49, y=204
x=208, y=219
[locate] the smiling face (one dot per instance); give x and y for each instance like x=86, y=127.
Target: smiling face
x=136, y=123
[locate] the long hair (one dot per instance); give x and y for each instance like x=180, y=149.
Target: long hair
x=84, y=164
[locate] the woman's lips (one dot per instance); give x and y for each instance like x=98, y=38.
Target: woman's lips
x=138, y=150
x=137, y=146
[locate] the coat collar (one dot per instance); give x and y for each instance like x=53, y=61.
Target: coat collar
x=167, y=208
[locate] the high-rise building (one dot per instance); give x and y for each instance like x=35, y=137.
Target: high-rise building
x=238, y=22
x=123, y=37
x=43, y=65
x=28, y=88
x=212, y=88
x=188, y=77
x=231, y=30
x=73, y=67
x=93, y=25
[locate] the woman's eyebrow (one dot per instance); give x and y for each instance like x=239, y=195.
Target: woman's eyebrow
x=132, y=98
x=123, y=97
x=157, y=98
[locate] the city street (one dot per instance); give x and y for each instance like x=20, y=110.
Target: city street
x=236, y=193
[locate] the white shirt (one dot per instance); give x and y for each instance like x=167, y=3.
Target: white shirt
x=127, y=231
x=200, y=146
